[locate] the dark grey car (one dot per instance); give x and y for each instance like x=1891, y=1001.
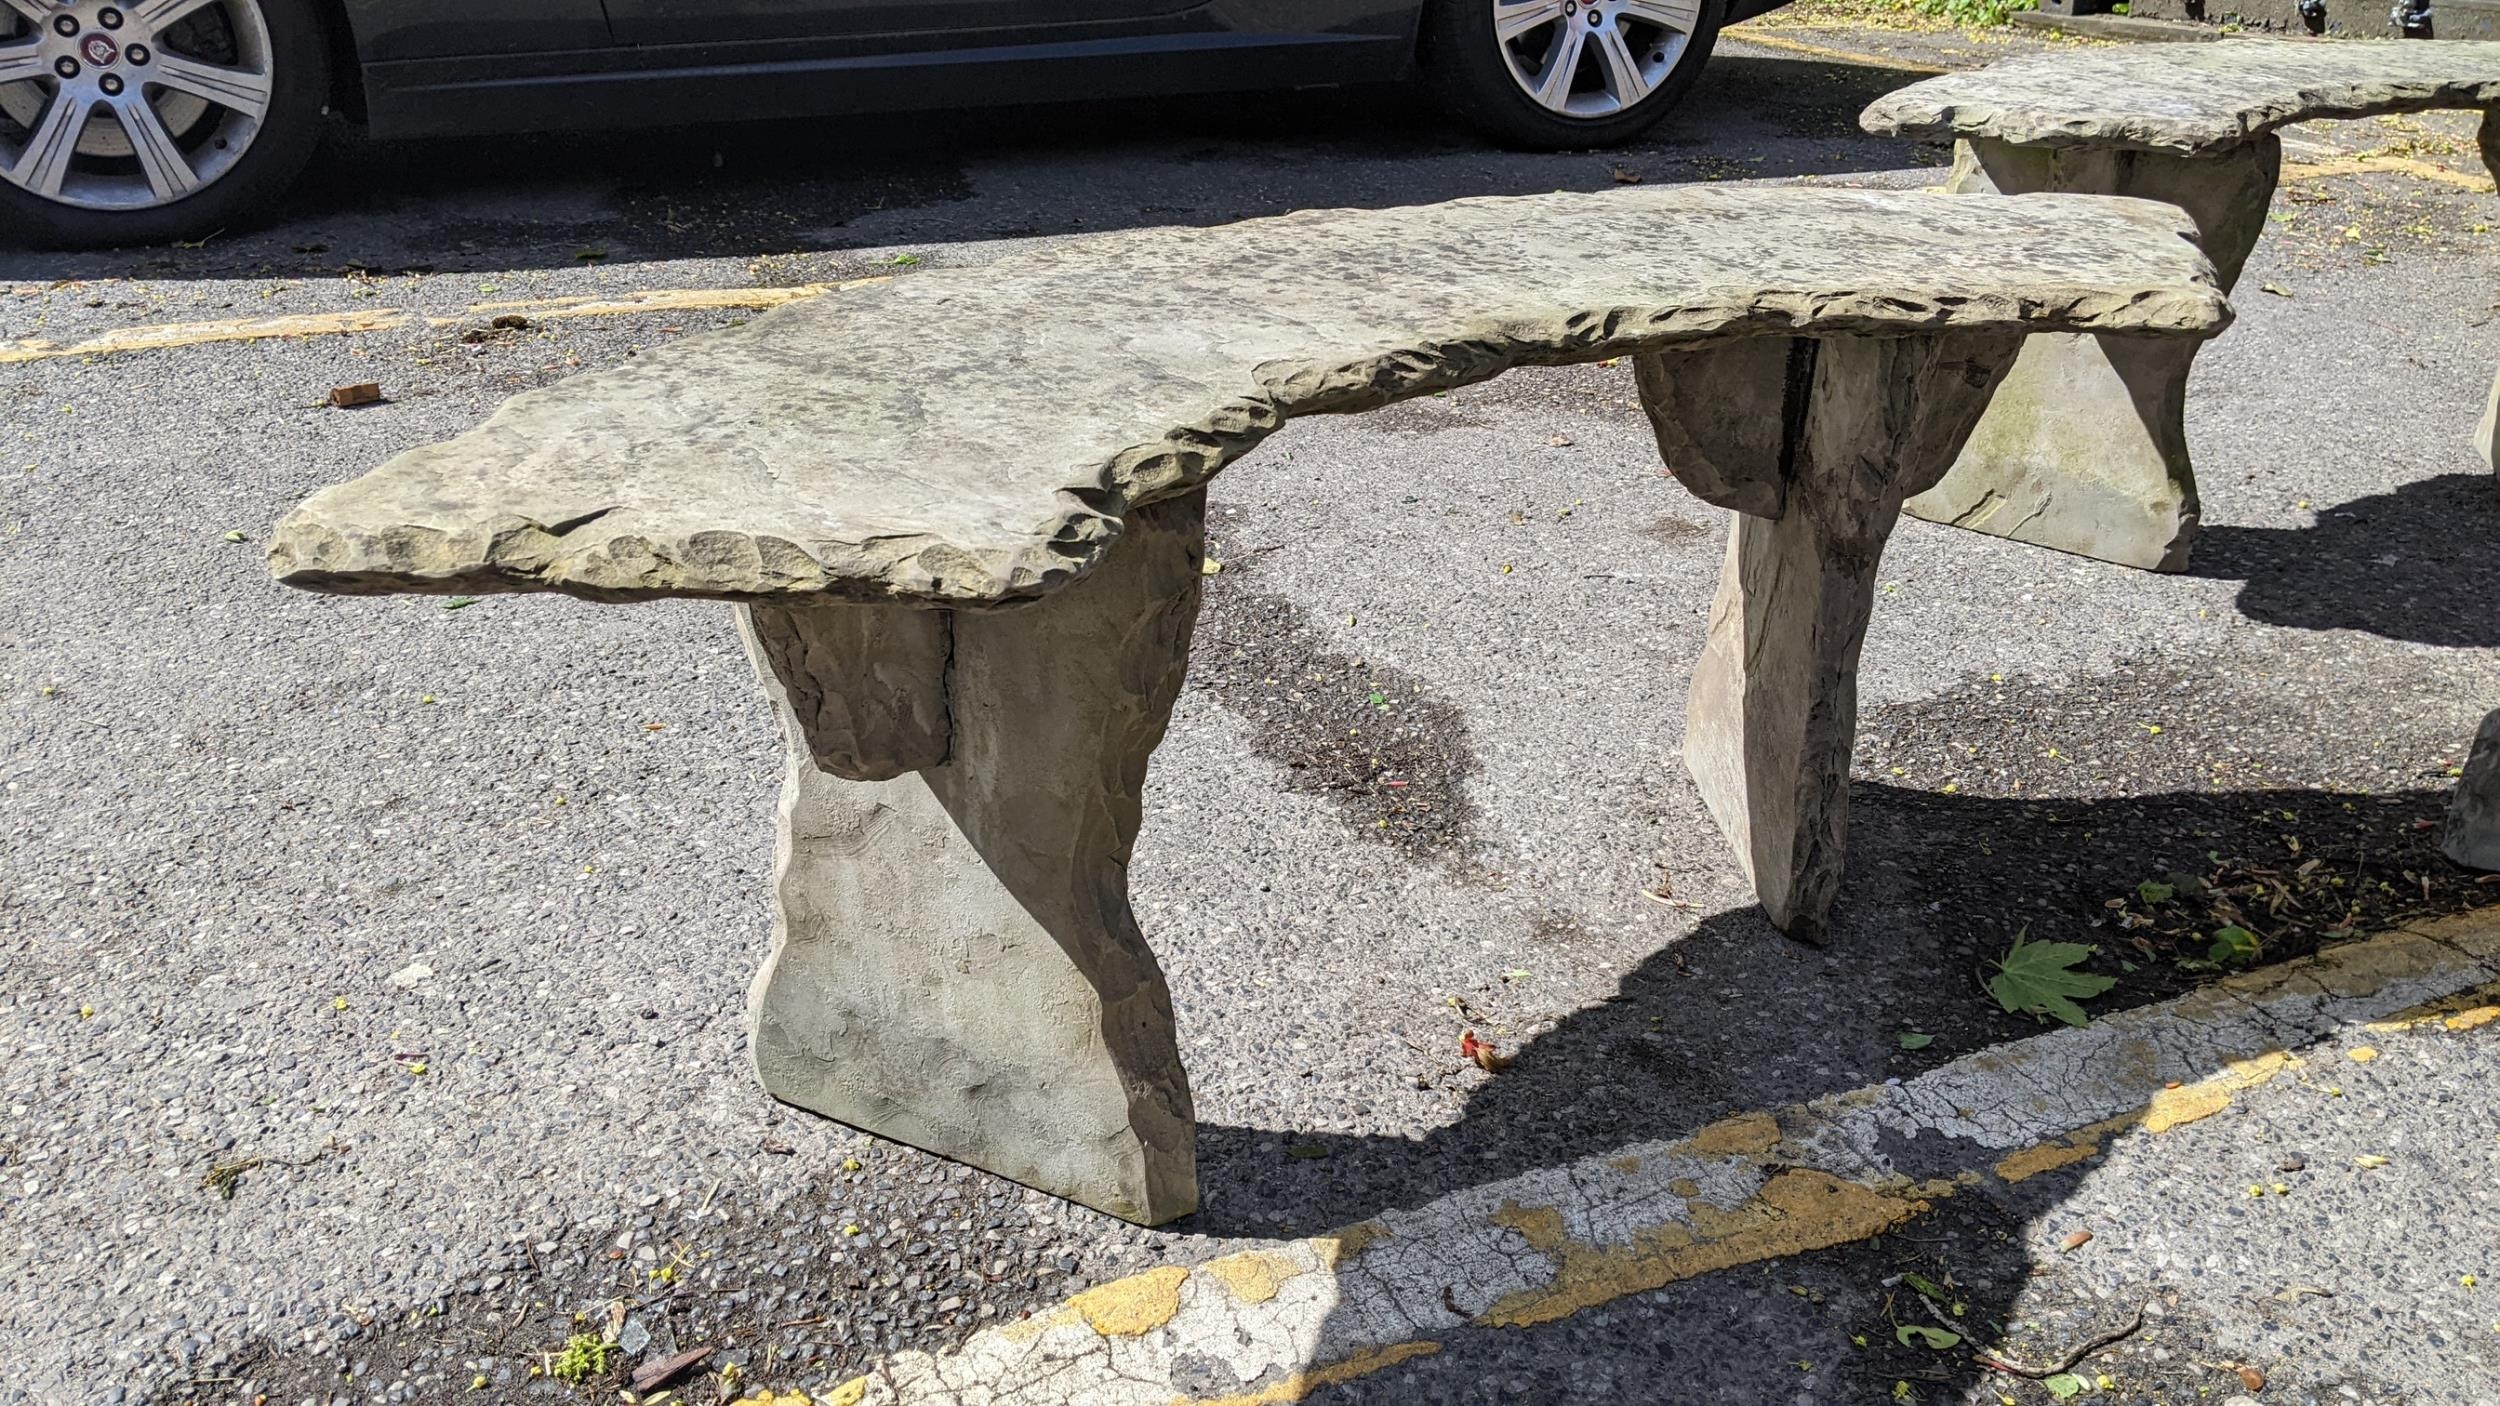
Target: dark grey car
x=140, y=121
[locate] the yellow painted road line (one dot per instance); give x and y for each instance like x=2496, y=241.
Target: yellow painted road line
x=658, y=300
x=2397, y=165
x=1817, y=51
x=169, y=335
x=1279, y=1323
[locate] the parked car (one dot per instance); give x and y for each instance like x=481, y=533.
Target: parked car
x=141, y=121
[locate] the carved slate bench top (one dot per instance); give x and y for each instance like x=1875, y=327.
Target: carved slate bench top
x=976, y=436
x=2192, y=99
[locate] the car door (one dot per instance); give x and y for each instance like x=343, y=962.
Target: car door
x=389, y=30
x=946, y=22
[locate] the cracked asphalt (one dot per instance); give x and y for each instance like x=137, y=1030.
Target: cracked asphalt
x=372, y=972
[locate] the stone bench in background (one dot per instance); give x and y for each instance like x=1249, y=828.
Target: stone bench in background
x=960, y=513
x=2084, y=449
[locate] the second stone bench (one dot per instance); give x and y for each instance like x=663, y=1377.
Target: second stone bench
x=2084, y=449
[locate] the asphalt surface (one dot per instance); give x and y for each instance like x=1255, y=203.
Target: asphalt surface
x=374, y=970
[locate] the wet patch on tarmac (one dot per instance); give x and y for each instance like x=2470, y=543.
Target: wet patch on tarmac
x=1374, y=741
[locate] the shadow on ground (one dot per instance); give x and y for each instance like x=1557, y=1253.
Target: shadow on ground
x=1736, y=1017
x=2414, y=564
x=783, y=189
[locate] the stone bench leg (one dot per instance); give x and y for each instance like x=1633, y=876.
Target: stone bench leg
x=1814, y=444
x=954, y=962
x=2487, y=434
x=2084, y=448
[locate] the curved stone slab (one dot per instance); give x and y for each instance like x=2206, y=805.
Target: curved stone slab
x=2189, y=99
x=977, y=437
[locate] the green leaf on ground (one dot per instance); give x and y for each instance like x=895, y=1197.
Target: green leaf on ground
x=2039, y=979
x=1912, y=1040
x=459, y=602
x=2153, y=893
x=1938, y=1338
x=2065, y=1386
x=1926, y=1286
x=2233, y=946
x=1307, y=1151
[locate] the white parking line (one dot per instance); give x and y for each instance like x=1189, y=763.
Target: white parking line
x=1286, y=1321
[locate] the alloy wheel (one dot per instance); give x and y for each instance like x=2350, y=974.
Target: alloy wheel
x=132, y=104
x=1592, y=58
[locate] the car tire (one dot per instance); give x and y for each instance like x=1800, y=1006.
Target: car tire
x=216, y=163
x=1648, y=50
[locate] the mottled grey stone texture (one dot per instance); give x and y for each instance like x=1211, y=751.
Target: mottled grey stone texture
x=2487, y=434
x=954, y=961
x=866, y=687
x=963, y=513
x=976, y=436
x=2084, y=449
x=2188, y=99
x=2472, y=835
x=1815, y=444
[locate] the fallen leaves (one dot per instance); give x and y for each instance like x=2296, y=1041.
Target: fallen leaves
x=2039, y=979
x=1488, y=1058
x=1914, y=1334
x=668, y=1369
x=2233, y=946
x=2075, y=1240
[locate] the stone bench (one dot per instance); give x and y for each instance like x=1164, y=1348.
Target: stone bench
x=2084, y=448
x=960, y=513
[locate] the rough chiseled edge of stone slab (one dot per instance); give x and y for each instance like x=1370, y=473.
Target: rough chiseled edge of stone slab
x=568, y=557
x=2078, y=100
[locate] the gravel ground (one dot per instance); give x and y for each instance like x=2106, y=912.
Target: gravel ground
x=372, y=1019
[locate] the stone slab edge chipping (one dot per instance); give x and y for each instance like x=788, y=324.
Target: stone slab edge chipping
x=976, y=437
x=2189, y=99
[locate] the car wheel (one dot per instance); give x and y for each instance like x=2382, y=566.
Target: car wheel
x=1559, y=75
x=145, y=121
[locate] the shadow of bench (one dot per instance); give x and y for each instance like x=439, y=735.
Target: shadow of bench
x=2084, y=449
x=962, y=515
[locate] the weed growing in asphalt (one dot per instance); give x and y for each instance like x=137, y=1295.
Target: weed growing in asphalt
x=585, y=1356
